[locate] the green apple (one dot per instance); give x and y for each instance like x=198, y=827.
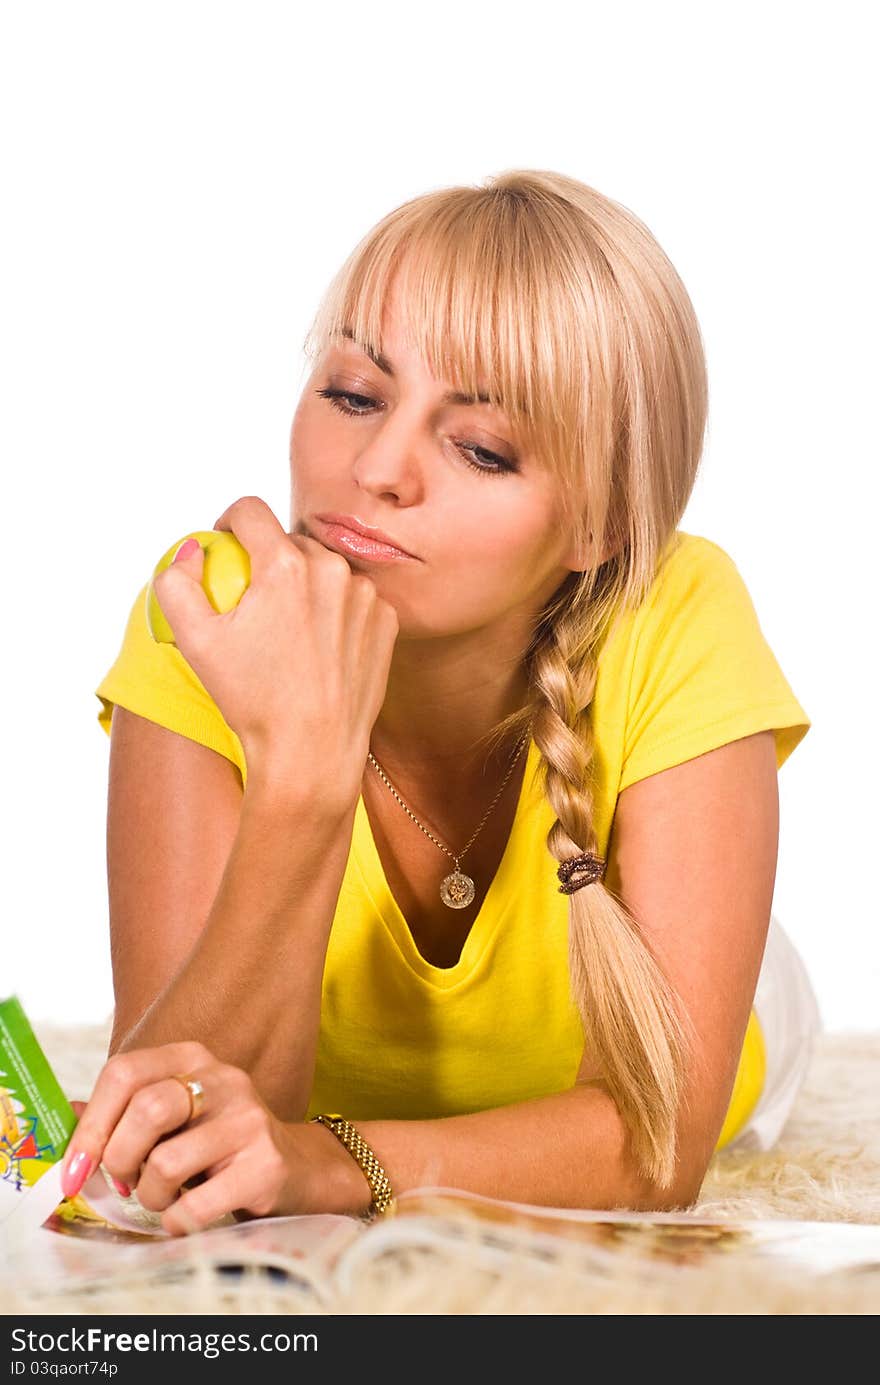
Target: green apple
x=226, y=576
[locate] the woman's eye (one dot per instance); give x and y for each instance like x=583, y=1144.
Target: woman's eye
x=336, y=397
x=493, y=465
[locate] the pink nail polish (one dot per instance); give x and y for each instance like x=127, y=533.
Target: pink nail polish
x=186, y=550
x=74, y=1174
x=122, y=1188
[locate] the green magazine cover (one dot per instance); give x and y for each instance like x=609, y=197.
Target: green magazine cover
x=36, y=1119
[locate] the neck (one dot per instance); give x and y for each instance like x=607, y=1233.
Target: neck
x=442, y=697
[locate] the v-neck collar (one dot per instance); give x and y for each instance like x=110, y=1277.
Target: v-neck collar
x=369, y=863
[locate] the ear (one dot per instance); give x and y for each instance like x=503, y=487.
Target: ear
x=584, y=559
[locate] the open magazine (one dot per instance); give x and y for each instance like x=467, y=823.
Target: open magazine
x=98, y=1236
x=323, y=1255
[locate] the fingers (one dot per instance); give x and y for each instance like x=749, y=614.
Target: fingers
x=179, y=591
x=120, y=1078
x=249, y=1179
x=199, y=1207
x=257, y=529
x=153, y=1112
x=137, y=1124
x=205, y=1145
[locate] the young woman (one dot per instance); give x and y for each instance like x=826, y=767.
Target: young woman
x=460, y=830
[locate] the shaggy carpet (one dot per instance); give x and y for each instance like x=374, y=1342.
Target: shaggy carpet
x=825, y=1167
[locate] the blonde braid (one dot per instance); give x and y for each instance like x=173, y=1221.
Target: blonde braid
x=633, y=1021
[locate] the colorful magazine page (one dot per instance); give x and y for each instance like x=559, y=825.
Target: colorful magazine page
x=77, y=1252
x=491, y=1230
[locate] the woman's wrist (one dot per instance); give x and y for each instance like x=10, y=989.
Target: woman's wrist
x=323, y=1176
x=283, y=782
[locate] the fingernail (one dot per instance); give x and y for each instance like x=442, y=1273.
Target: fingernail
x=122, y=1188
x=74, y=1174
x=186, y=550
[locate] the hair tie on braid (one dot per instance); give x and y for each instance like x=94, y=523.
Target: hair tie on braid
x=587, y=867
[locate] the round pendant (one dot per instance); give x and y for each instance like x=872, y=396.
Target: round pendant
x=457, y=890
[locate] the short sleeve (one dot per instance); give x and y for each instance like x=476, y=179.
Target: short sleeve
x=702, y=674
x=154, y=680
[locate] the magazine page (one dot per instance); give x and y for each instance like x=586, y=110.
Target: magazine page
x=77, y=1247
x=490, y=1232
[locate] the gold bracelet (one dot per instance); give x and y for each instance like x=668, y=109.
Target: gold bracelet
x=358, y=1148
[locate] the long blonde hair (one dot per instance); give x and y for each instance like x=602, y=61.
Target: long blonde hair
x=564, y=302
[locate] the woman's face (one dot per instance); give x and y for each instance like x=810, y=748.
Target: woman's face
x=444, y=480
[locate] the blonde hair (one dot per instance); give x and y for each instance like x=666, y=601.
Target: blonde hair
x=562, y=304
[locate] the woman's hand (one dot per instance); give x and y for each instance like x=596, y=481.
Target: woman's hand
x=244, y=1159
x=299, y=668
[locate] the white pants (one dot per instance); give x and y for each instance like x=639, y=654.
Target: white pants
x=788, y=1014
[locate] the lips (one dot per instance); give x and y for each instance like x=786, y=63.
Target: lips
x=365, y=530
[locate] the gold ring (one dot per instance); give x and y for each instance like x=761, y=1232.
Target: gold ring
x=196, y=1094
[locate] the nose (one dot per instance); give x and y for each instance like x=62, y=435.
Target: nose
x=389, y=462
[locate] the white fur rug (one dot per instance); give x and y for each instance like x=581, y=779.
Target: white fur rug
x=825, y=1167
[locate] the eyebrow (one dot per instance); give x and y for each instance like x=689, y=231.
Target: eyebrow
x=451, y=397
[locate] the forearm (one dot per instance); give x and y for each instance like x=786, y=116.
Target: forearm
x=570, y=1149
x=250, y=989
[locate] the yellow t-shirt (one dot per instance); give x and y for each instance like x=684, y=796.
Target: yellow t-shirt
x=400, y=1038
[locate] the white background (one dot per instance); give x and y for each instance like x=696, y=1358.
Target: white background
x=180, y=182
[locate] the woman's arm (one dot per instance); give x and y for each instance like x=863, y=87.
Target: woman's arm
x=298, y=669
x=221, y=904
x=693, y=857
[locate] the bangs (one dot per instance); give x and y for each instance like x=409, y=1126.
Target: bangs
x=470, y=286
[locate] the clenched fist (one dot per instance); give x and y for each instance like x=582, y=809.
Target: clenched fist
x=299, y=666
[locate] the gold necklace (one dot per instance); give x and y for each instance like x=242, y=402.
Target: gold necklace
x=456, y=889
